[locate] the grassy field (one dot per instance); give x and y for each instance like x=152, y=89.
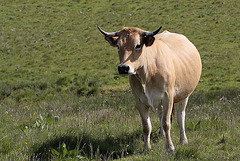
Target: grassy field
x=62, y=99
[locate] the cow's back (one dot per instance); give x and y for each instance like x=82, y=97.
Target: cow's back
x=186, y=61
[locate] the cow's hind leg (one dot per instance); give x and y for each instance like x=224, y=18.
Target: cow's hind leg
x=161, y=132
x=181, y=120
x=146, y=123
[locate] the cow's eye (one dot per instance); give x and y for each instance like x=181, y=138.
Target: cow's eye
x=138, y=47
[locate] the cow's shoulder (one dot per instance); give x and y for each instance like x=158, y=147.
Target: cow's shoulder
x=166, y=35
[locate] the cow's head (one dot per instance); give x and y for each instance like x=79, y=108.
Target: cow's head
x=130, y=43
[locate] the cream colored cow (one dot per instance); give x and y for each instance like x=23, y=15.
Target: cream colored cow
x=163, y=69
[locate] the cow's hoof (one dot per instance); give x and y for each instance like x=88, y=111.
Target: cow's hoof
x=147, y=147
x=184, y=141
x=170, y=149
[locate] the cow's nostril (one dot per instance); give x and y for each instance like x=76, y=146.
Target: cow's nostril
x=123, y=69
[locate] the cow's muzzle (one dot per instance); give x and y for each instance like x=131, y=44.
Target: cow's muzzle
x=123, y=69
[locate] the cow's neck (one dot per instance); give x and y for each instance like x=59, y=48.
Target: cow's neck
x=148, y=68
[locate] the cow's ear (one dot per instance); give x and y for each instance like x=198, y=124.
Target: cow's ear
x=112, y=40
x=148, y=40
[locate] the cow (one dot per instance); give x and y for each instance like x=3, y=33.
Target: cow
x=163, y=69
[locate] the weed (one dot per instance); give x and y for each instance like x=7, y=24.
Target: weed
x=64, y=152
x=196, y=126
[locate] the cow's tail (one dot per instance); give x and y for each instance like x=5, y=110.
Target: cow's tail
x=173, y=113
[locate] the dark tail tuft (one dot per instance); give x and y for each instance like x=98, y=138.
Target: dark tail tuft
x=173, y=113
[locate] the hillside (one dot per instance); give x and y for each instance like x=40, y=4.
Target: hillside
x=55, y=46
x=62, y=99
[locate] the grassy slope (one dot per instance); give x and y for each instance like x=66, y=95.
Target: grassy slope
x=51, y=52
x=42, y=42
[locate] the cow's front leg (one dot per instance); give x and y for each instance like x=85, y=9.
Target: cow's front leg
x=146, y=123
x=167, y=111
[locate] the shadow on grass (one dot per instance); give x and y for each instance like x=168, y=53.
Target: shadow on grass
x=88, y=147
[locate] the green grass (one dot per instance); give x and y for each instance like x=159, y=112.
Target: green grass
x=59, y=85
x=109, y=127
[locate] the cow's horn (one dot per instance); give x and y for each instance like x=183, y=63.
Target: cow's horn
x=112, y=34
x=147, y=33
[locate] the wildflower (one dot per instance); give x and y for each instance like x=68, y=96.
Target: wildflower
x=26, y=143
x=34, y=114
x=127, y=153
x=113, y=136
x=227, y=157
x=192, y=155
x=226, y=133
x=11, y=115
x=223, y=99
x=92, y=134
x=151, y=150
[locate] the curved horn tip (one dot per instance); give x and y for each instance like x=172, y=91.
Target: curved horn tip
x=147, y=33
x=99, y=27
x=112, y=34
x=103, y=32
x=155, y=32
